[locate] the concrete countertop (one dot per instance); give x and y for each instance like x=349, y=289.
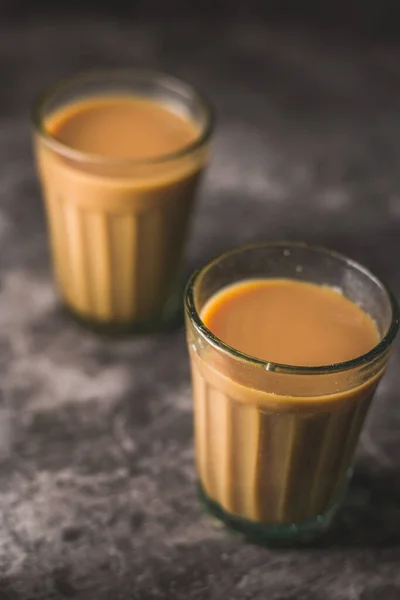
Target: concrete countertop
x=97, y=485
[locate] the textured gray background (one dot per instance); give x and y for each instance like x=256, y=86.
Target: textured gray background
x=97, y=487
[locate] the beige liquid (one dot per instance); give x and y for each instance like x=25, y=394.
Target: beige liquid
x=274, y=457
x=118, y=216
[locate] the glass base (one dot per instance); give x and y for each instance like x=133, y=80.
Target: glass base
x=169, y=319
x=279, y=534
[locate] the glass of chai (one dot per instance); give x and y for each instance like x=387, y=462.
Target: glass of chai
x=120, y=154
x=287, y=345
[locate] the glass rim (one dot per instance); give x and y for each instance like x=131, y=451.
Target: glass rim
x=367, y=358
x=135, y=72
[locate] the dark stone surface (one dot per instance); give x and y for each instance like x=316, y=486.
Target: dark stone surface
x=97, y=487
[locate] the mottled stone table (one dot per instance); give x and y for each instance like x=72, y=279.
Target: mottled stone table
x=97, y=486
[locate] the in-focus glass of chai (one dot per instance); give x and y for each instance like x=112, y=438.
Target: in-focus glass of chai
x=287, y=344
x=120, y=154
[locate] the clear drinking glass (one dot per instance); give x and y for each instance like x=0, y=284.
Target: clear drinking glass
x=275, y=443
x=118, y=226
